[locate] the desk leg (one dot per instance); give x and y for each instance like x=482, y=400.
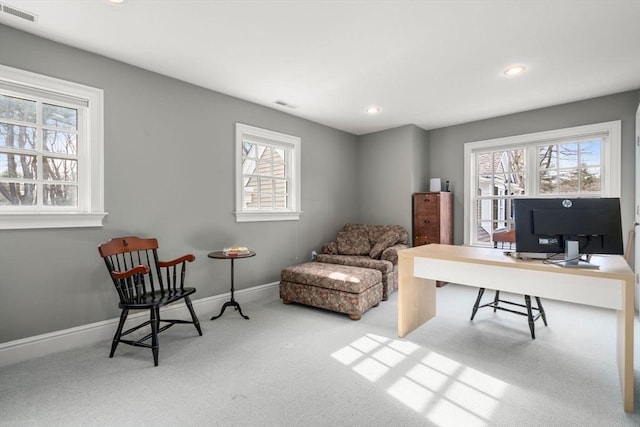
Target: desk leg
x=625, y=345
x=416, y=297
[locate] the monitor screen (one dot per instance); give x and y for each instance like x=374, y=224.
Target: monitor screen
x=547, y=225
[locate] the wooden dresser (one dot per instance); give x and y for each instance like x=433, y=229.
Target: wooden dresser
x=432, y=218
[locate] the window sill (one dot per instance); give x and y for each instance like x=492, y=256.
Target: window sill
x=17, y=221
x=267, y=216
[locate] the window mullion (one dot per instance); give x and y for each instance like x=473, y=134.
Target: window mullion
x=579, y=171
x=531, y=170
x=475, y=170
x=39, y=181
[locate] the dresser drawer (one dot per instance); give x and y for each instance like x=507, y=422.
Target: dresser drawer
x=425, y=240
x=423, y=222
x=426, y=205
x=431, y=233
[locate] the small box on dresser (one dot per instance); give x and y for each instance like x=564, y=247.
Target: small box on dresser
x=433, y=219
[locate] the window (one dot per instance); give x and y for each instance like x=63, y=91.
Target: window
x=267, y=175
x=582, y=161
x=51, y=151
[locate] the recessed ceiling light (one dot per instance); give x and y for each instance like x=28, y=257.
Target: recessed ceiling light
x=514, y=70
x=374, y=109
x=116, y=1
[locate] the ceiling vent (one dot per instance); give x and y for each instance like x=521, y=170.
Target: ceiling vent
x=10, y=10
x=283, y=104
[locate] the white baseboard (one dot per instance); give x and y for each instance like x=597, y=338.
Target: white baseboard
x=40, y=345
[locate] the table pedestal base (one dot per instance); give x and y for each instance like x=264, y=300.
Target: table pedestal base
x=230, y=304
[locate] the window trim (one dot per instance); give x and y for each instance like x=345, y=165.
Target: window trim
x=292, y=144
x=611, y=161
x=90, y=212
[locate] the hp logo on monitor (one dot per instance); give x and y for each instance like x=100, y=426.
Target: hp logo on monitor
x=567, y=203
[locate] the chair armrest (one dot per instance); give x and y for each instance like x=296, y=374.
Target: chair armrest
x=391, y=253
x=140, y=269
x=183, y=258
x=330, y=248
x=356, y=261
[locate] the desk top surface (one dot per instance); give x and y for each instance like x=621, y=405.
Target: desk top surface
x=610, y=265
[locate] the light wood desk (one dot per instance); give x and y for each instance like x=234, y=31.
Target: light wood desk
x=611, y=287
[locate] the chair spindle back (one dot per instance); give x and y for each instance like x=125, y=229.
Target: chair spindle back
x=125, y=253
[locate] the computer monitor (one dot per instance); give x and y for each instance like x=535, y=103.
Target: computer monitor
x=548, y=226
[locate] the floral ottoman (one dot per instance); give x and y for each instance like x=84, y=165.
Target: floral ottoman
x=341, y=288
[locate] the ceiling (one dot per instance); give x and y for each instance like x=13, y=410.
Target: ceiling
x=430, y=63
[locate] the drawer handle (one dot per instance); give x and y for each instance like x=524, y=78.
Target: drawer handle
x=426, y=221
x=426, y=199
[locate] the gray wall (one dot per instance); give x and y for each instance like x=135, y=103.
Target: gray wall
x=447, y=144
x=169, y=174
x=169, y=153
x=393, y=166
x=420, y=171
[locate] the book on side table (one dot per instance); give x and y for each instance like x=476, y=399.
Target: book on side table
x=236, y=250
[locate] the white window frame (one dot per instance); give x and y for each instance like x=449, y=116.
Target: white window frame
x=90, y=209
x=292, y=145
x=611, y=161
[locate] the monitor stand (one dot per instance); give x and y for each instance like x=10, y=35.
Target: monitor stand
x=543, y=256
x=526, y=256
x=572, y=257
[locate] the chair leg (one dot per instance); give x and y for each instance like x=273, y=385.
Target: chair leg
x=495, y=301
x=541, y=309
x=196, y=322
x=116, y=337
x=475, y=306
x=155, y=319
x=532, y=326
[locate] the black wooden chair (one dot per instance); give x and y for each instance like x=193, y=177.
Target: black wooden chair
x=506, y=240
x=145, y=283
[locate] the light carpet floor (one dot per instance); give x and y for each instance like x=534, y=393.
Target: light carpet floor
x=291, y=365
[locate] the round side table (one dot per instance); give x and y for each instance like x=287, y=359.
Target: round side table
x=232, y=302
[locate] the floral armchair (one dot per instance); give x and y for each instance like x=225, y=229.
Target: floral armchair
x=369, y=246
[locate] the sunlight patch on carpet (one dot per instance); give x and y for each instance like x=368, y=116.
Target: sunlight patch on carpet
x=447, y=392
